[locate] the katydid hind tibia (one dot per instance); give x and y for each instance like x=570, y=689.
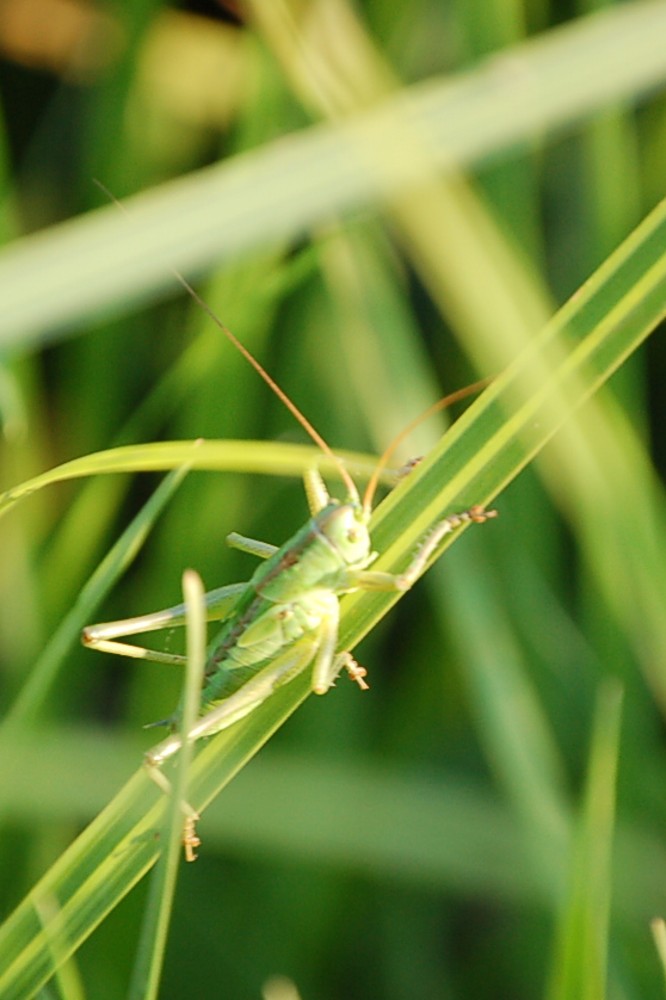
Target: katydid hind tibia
x=284, y=620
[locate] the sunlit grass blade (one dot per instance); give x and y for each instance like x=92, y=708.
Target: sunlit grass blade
x=116, y=850
x=579, y=966
x=67, y=977
x=537, y=396
x=259, y=457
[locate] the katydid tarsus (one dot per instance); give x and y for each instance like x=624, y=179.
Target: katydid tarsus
x=284, y=620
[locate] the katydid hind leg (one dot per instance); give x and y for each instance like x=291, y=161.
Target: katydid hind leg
x=242, y=702
x=221, y=717
x=318, y=649
x=104, y=636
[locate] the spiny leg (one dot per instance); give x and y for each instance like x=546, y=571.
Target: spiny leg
x=357, y=673
x=103, y=636
x=231, y=710
x=475, y=515
x=190, y=838
x=377, y=580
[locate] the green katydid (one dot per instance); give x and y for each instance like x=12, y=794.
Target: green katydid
x=285, y=618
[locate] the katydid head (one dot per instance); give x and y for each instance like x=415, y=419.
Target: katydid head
x=345, y=527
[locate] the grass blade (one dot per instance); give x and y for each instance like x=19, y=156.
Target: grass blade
x=36, y=689
x=580, y=961
x=152, y=945
x=278, y=192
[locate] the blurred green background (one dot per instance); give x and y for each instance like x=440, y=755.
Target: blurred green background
x=413, y=842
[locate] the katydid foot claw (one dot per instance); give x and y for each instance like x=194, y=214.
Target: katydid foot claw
x=479, y=514
x=356, y=672
x=191, y=840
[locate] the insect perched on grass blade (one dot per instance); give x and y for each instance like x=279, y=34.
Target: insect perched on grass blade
x=284, y=620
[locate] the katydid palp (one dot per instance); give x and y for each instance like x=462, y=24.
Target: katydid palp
x=285, y=618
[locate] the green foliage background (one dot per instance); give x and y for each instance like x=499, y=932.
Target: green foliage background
x=489, y=820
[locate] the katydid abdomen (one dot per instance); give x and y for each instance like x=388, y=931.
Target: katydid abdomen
x=291, y=595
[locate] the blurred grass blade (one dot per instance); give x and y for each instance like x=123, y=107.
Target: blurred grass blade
x=484, y=450
x=524, y=407
x=513, y=729
x=36, y=689
x=276, y=193
x=280, y=988
x=658, y=927
x=579, y=966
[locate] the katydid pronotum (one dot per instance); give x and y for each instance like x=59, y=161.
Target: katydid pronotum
x=285, y=618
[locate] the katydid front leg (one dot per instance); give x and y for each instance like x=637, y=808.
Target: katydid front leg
x=377, y=580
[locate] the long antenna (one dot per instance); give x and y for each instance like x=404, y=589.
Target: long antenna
x=441, y=404
x=270, y=382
